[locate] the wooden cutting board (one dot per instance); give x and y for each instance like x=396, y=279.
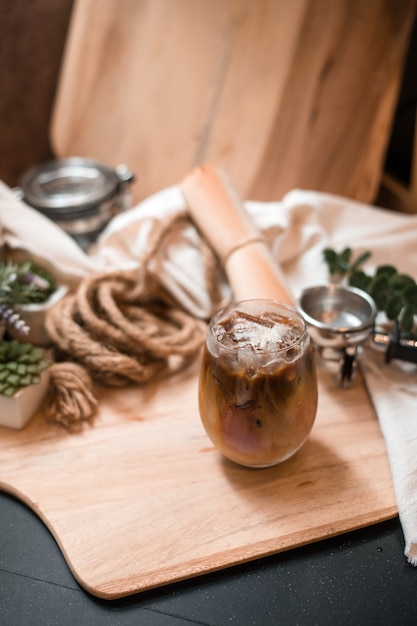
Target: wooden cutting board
x=141, y=498
x=281, y=95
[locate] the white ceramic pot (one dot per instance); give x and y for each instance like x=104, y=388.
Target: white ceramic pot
x=16, y=411
x=34, y=316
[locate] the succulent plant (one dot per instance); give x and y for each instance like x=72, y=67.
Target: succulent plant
x=22, y=283
x=21, y=364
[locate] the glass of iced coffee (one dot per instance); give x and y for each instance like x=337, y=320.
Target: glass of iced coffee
x=258, y=385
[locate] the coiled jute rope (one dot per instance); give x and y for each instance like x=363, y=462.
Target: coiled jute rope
x=121, y=328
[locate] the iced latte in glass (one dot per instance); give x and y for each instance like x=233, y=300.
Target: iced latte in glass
x=258, y=386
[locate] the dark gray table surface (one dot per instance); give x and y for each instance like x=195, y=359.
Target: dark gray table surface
x=361, y=577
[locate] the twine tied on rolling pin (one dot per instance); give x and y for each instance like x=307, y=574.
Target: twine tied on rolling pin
x=219, y=214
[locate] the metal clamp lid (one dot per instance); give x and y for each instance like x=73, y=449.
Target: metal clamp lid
x=66, y=185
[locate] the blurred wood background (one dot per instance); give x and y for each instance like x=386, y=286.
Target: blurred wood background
x=398, y=188
x=32, y=40
x=281, y=93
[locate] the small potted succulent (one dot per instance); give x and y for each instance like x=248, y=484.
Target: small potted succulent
x=27, y=292
x=24, y=381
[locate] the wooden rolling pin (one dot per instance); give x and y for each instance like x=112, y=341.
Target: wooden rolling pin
x=221, y=218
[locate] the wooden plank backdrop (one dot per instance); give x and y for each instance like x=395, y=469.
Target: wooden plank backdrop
x=279, y=93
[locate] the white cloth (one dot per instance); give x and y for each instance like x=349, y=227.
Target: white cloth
x=297, y=229
x=393, y=390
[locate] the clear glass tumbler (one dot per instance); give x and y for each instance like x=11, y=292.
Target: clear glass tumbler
x=258, y=384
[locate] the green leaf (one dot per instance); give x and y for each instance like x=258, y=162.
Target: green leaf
x=394, y=306
x=407, y=320
x=36, y=355
x=360, y=280
x=386, y=270
x=329, y=255
x=331, y=259
x=379, y=291
x=13, y=379
x=25, y=381
x=344, y=256
x=410, y=297
x=25, y=348
x=12, y=350
x=25, y=358
x=400, y=281
x=43, y=365
x=360, y=261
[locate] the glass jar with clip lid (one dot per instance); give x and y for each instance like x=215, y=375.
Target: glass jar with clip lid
x=80, y=195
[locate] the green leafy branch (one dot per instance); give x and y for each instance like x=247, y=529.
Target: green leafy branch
x=393, y=292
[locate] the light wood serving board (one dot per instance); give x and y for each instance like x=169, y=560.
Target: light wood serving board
x=295, y=93
x=141, y=498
